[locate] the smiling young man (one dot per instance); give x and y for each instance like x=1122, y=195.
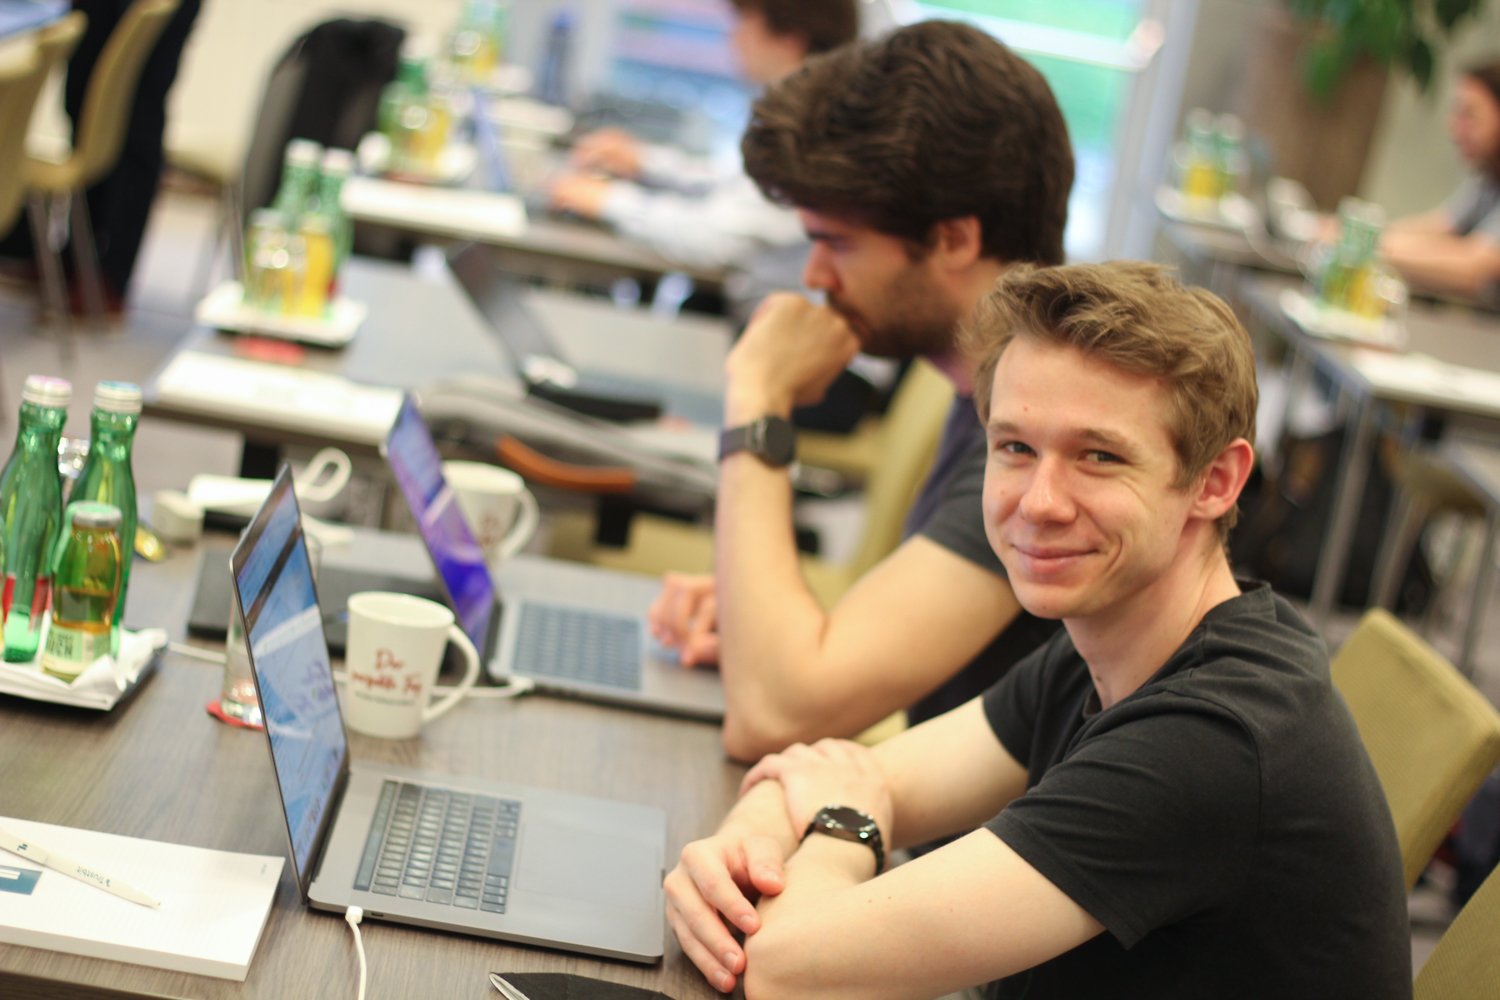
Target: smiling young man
x=921, y=167
x=1172, y=799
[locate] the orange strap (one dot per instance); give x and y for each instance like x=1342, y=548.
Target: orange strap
x=538, y=468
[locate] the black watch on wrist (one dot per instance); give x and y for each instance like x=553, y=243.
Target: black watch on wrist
x=850, y=824
x=771, y=439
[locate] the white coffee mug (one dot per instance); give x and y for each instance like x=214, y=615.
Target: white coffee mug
x=392, y=657
x=500, y=510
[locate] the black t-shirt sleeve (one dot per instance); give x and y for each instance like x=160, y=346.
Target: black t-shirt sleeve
x=1147, y=822
x=957, y=522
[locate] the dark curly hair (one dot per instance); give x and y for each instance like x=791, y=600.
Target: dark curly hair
x=826, y=24
x=933, y=122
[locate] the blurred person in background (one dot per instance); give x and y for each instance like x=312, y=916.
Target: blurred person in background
x=1455, y=248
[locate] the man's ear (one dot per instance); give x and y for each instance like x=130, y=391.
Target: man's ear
x=957, y=243
x=1220, y=484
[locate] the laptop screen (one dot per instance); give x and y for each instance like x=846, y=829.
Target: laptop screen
x=289, y=657
x=418, y=469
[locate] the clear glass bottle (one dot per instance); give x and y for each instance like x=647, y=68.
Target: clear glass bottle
x=31, y=514
x=88, y=574
x=107, y=476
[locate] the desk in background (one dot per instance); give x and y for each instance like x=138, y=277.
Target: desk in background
x=159, y=767
x=1451, y=368
x=556, y=251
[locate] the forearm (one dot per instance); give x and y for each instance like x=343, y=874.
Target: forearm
x=770, y=625
x=1441, y=262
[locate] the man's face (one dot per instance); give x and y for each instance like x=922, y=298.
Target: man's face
x=896, y=305
x=1079, y=501
x=1474, y=122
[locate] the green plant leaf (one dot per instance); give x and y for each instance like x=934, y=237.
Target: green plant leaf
x=1450, y=12
x=1421, y=62
x=1324, y=68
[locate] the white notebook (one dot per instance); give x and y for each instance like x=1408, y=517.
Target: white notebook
x=214, y=904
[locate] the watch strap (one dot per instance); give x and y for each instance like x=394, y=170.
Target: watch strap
x=771, y=439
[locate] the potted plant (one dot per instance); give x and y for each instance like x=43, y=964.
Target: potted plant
x=1316, y=75
x=1400, y=34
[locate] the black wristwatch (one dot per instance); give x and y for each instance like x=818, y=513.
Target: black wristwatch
x=847, y=823
x=771, y=439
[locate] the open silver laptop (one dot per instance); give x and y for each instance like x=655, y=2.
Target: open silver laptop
x=682, y=375
x=572, y=629
x=462, y=854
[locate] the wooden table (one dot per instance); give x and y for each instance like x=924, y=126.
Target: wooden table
x=160, y=767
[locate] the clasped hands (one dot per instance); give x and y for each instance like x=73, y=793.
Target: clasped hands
x=718, y=880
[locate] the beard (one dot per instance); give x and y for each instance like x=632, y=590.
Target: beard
x=906, y=318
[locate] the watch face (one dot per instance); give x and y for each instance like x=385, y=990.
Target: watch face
x=851, y=819
x=781, y=441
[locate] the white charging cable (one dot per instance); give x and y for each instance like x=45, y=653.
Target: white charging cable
x=352, y=916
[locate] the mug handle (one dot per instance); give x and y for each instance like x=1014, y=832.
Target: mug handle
x=521, y=531
x=471, y=675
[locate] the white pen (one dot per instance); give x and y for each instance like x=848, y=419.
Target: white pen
x=51, y=859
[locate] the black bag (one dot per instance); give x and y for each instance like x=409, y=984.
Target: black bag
x=1284, y=520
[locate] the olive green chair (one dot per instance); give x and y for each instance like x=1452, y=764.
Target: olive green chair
x=1430, y=734
x=1465, y=965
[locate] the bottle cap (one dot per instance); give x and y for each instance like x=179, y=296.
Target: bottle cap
x=91, y=514
x=303, y=152
x=46, y=390
x=117, y=397
x=338, y=161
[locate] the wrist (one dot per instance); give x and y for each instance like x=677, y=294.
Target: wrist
x=844, y=823
x=744, y=403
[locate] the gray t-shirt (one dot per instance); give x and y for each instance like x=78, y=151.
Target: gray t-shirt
x=1474, y=209
x=947, y=511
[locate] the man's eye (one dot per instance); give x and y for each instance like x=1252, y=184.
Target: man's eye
x=1012, y=448
x=1103, y=457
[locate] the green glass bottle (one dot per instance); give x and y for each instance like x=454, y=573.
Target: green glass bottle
x=299, y=180
x=87, y=588
x=31, y=514
x=338, y=164
x=107, y=476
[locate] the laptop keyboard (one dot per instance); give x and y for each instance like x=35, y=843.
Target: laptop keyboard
x=579, y=645
x=439, y=845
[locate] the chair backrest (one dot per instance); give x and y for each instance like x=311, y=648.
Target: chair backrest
x=100, y=131
x=1465, y=965
x=909, y=438
x=19, y=87
x=1431, y=736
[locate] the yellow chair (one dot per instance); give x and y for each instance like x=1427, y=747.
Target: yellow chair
x=1431, y=736
x=1465, y=965
x=99, y=135
x=19, y=85
x=909, y=438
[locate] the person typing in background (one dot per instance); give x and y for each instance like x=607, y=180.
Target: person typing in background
x=921, y=166
x=686, y=208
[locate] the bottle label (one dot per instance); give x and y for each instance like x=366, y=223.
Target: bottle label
x=70, y=651
x=39, y=599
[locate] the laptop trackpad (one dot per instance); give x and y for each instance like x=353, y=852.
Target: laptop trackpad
x=565, y=861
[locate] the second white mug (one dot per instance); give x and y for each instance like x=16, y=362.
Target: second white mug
x=500, y=510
